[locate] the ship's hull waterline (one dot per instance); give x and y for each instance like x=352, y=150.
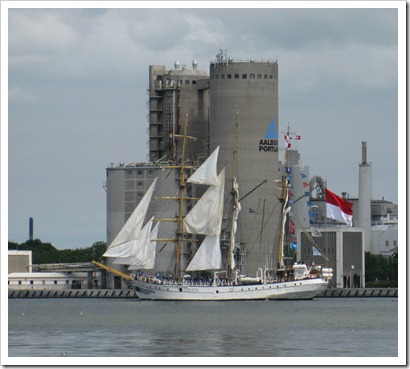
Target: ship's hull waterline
x=295, y=290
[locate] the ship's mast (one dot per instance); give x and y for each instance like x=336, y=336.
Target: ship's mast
x=181, y=198
x=284, y=200
x=234, y=202
x=180, y=228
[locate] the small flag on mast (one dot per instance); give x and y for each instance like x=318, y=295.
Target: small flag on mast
x=291, y=227
x=315, y=232
x=316, y=252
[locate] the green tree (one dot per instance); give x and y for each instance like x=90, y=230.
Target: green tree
x=45, y=253
x=381, y=271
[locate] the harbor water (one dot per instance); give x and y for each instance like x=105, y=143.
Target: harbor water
x=323, y=327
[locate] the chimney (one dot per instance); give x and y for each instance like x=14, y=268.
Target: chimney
x=364, y=153
x=30, y=229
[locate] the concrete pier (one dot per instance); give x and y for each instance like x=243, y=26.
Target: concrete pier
x=127, y=293
x=84, y=293
x=361, y=292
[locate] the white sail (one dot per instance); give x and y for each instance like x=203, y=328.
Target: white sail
x=206, y=216
x=146, y=259
x=208, y=255
x=131, y=229
x=136, y=247
x=207, y=172
x=121, y=251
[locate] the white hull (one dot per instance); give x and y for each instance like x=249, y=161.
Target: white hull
x=295, y=290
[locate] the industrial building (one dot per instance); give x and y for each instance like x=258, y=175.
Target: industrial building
x=172, y=95
x=23, y=275
x=243, y=92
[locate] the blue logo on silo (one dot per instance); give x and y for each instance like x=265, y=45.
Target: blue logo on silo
x=270, y=142
x=272, y=131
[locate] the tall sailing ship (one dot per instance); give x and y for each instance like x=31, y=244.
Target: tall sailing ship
x=136, y=246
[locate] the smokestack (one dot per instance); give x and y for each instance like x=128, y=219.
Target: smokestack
x=30, y=229
x=365, y=195
x=364, y=153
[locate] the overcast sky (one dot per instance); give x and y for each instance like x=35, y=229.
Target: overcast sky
x=77, y=97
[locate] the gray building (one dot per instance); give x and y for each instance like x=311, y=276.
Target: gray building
x=173, y=94
x=341, y=248
x=250, y=88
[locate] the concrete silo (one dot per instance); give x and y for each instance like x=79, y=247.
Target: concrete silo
x=251, y=88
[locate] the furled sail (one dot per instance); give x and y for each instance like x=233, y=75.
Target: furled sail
x=208, y=255
x=146, y=258
x=206, y=216
x=285, y=210
x=236, y=210
x=207, y=172
x=120, y=246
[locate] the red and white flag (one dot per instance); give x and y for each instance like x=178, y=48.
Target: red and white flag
x=291, y=227
x=338, y=208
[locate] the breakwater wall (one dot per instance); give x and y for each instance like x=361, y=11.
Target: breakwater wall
x=127, y=293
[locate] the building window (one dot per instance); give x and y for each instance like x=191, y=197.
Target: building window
x=222, y=76
x=387, y=243
x=236, y=75
x=139, y=172
x=187, y=82
x=271, y=76
x=31, y=282
x=128, y=196
x=139, y=184
x=139, y=194
x=150, y=172
x=216, y=76
x=19, y=282
x=395, y=243
x=229, y=76
x=244, y=76
x=265, y=76
x=194, y=82
x=55, y=282
x=259, y=76
x=252, y=76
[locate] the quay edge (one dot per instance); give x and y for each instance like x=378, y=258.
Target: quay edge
x=128, y=293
